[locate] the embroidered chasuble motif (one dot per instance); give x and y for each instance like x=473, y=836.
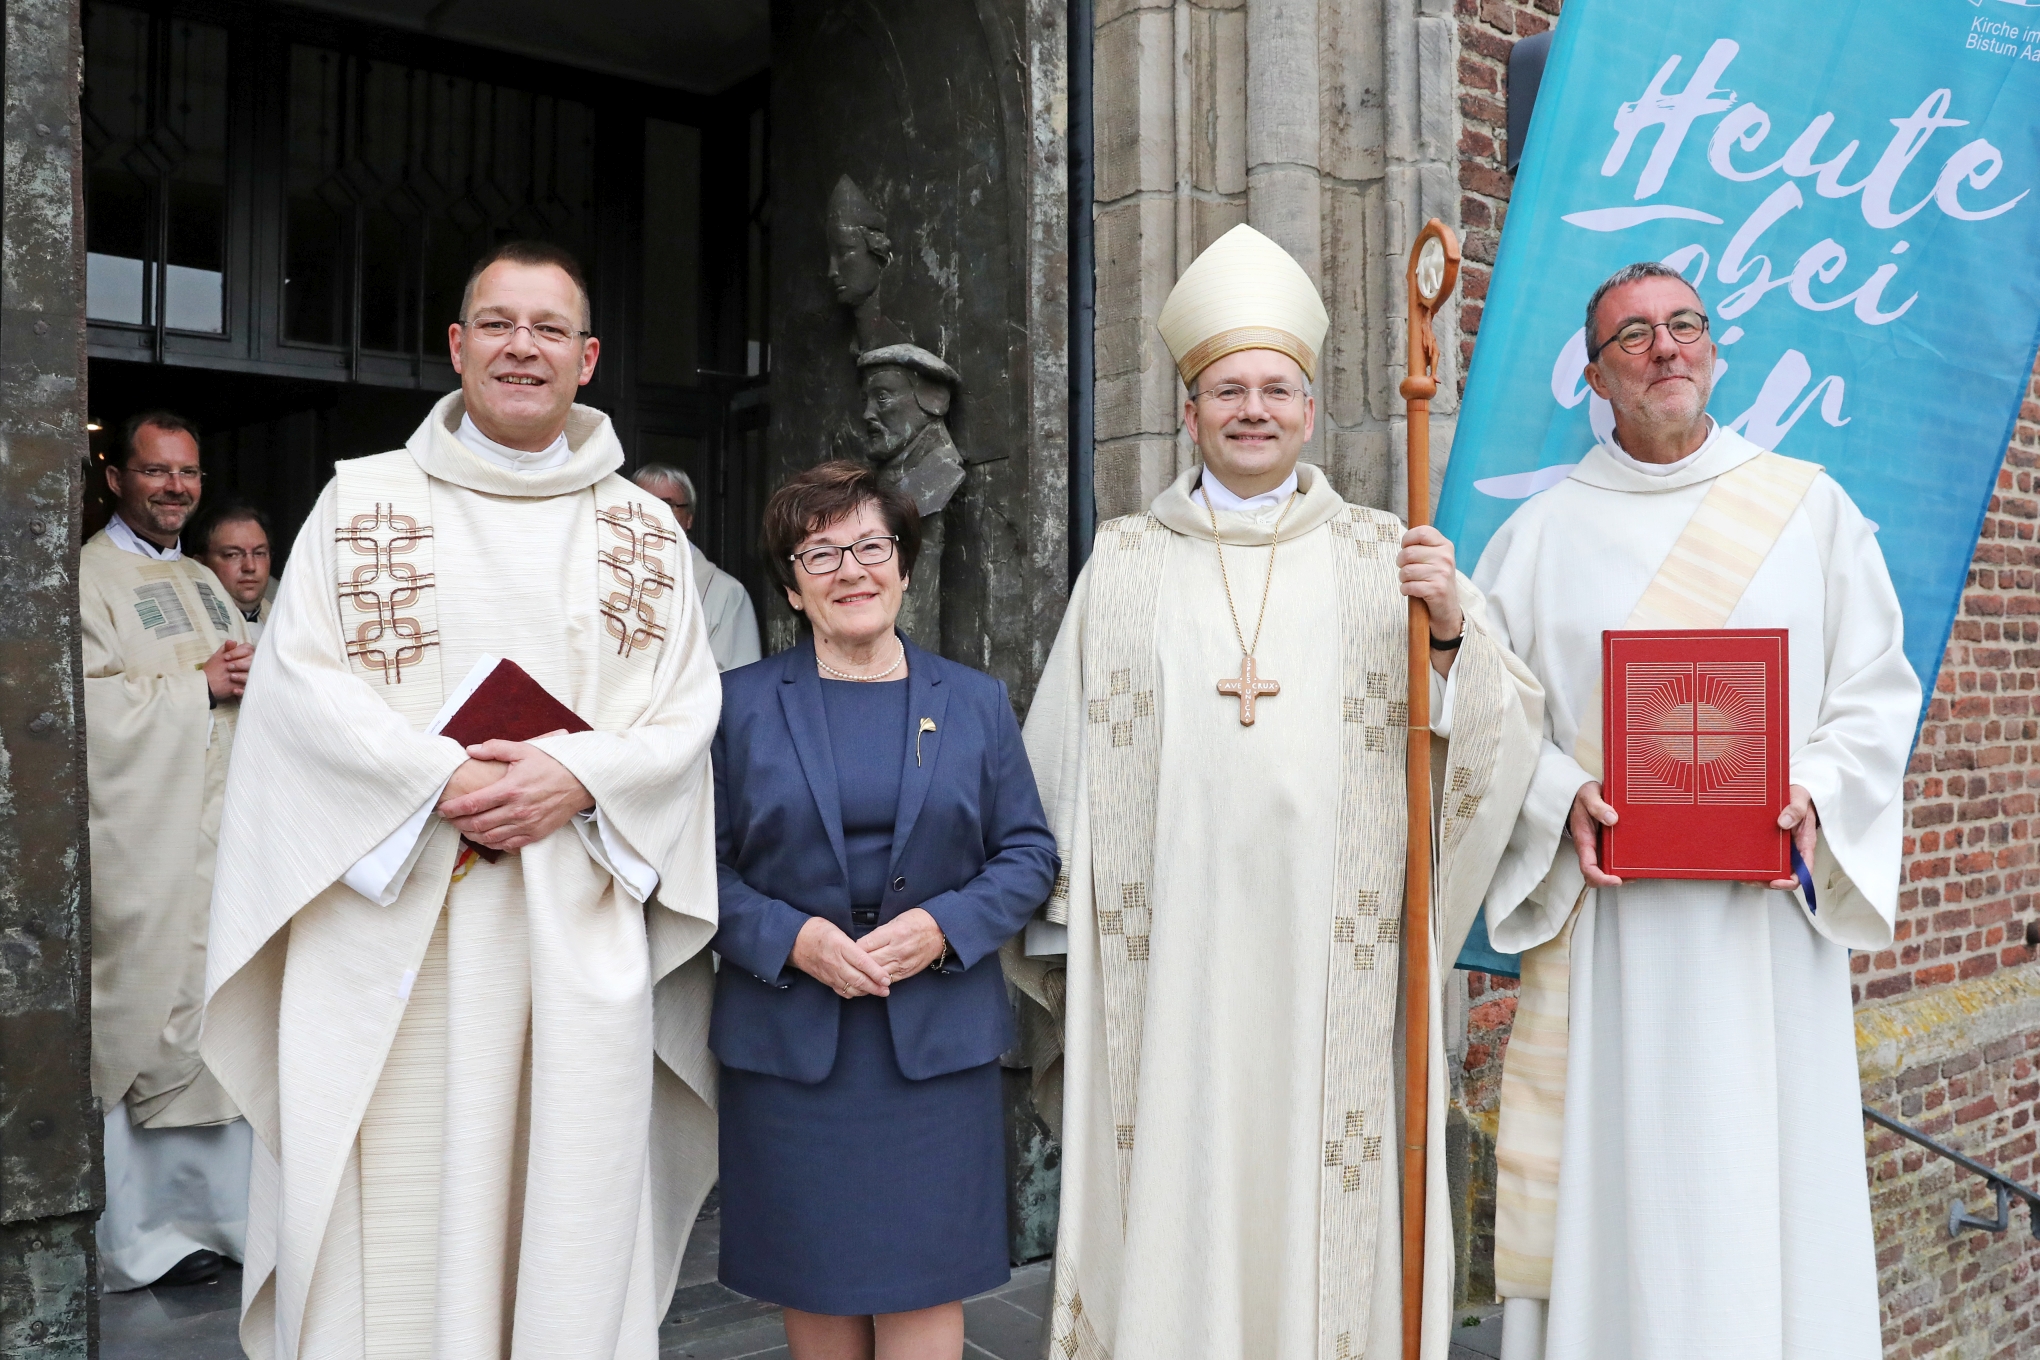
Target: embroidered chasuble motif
x=385, y=583
x=1699, y=584
x=1361, y=1109
x=389, y=613
x=636, y=577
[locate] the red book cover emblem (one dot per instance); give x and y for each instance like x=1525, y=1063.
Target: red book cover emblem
x=1694, y=729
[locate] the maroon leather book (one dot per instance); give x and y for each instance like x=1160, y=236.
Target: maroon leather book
x=508, y=705
x=1695, y=725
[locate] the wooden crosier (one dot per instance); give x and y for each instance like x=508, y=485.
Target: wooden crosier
x=1432, y=272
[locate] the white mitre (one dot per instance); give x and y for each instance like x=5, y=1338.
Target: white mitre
x=1243, y=292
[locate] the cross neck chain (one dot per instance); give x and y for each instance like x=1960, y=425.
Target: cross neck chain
x=1274, y=541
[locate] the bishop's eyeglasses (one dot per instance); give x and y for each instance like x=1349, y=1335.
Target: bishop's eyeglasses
x=1235, y=394
x=1638, y=336
x=827, y=558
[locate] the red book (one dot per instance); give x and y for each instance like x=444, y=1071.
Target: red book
x=499, y=701
x=1694, y=730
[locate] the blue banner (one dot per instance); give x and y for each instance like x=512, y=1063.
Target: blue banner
x=1850, y=185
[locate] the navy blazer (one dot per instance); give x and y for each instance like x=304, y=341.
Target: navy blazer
x=970, y=846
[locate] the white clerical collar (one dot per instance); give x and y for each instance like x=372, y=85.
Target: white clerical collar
x=127, y=540
x=1664, y=469
x=1222, y=497
x=546, y=459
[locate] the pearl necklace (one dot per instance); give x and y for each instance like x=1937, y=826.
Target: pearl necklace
x=898, y=661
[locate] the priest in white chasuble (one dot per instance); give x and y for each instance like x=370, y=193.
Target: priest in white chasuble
x=166, y=656
x=478, y=1078
x=1220, y=737
x=1680, y=1149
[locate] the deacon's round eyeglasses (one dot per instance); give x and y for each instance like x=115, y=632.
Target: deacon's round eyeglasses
x=1234, y=394
x=828, y=558
x=1638, y=336
x=496, y=329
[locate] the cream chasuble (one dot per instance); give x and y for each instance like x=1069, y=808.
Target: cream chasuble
x=1683, y=1076
x=156, y=758
x=1229, y=1099
x=466, y=1147
x=176, y=1156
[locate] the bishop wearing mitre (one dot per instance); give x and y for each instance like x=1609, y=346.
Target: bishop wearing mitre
x=1220, y=737
x=469, y=1038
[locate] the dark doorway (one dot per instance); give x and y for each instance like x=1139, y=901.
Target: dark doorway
x=282, y=206
x=269, y=441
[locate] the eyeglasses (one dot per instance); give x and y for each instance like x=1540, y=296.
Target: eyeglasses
x=156, y=472
x=1234, y=394
x=823, y=560
x=496, y=328
x=1638, y=336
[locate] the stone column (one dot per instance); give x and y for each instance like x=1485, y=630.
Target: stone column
x=1328, y=124
x=50, y=1191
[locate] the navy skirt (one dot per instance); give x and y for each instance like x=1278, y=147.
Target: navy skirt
x=866, y=1192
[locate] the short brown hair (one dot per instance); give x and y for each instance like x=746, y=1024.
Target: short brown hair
x=812, y=500
x=533, y=253
x=169, y=422
x=234, y=512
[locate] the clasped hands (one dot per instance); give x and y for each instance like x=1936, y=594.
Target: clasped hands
x=508, y=794
x=226, y=670
x=895, y=951
x=1589, y=808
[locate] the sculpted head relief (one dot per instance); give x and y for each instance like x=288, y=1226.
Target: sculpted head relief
x=859, y=249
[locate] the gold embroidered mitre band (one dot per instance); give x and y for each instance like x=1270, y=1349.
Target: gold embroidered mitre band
x=1243, y=292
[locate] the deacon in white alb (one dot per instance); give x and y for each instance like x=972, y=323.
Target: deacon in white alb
x=1681, y=1151
x=466, y=1145
x=1220, y=737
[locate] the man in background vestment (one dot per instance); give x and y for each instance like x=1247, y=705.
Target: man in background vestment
x=725, y=604
x=166, y=656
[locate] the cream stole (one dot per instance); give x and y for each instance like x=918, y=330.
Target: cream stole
x=1123, y=739
x=1698, y=586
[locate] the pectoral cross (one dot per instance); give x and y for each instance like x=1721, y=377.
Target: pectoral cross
x=1248, y=688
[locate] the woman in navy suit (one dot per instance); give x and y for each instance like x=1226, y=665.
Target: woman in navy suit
x=879, y=836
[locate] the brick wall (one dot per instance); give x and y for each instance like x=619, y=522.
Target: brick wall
x=1949, y=1018
x=1487, y=30
x=1968, y=907
x=1968, y=923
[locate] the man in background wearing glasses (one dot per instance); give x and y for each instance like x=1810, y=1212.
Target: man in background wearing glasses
x=166, y=656
x=234, y=542
x=725, y=604
x=1680, y=1150
x=437, y=970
